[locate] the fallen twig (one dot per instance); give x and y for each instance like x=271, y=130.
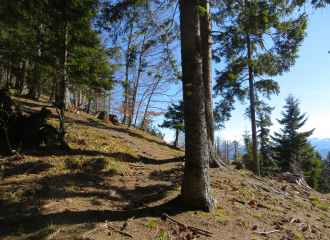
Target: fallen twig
x=172, y=219
x=94, y=230
x=53, y=235
x=238, y=200
x=267, y=233
x=263, y=188
x=128, y=222
x=191, y=227
x=116, y=230
x=32, y=168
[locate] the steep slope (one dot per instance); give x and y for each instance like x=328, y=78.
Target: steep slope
x=120, y=182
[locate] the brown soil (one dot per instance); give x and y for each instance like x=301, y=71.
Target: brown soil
x=114, y=174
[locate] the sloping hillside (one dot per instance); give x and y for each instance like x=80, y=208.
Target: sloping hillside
x=120, y=182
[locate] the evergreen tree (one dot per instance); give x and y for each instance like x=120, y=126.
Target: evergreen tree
x=267, y=165
x=247, y=157
x=324, y=179
x=243, y=46
x=311, y=164
x=289, y=140
x=174, y=120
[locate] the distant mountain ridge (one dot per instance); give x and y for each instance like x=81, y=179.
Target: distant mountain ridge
x=321, y=145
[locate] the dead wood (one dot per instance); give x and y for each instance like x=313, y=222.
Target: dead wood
x=93, y=230
x=54, y=234
x=267, y=233
x=121, y=232
x=190, y=227
x=32, y=168
x=128, y=222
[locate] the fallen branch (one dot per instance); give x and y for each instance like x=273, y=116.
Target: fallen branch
x=240, y=201
x=128, y=222
x=32, y=168
x=172, y=219
x=302, y=193
x=121, y=232
x=93, y=230
x=263, y=188
x=54, y=234
x=191, y=227
x=267, y=233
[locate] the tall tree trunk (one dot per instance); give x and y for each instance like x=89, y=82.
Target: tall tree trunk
x=23, y=86
x=109, y=102
x=138, y=109
x=19, y=76
x=136, y=85
x=206, y=38
x=126, y=83
x=64, y=77
x=96, y=105
x=146, y=111
x=8, y=76
x=89, y=105
x=79, y=98
x=67, y=101
x=195, y=191
x=256, y=168
x=176, y=137
x=57, y=94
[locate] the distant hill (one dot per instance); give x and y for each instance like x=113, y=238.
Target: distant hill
x=321, y=145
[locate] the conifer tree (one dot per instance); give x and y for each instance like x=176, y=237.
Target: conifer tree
x=289, y=142
x=267, y=165
x=324, y=179
x=174, y=119
x=250, y=60
x=247, y=157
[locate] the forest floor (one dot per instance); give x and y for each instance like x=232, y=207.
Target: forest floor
x=120, y=183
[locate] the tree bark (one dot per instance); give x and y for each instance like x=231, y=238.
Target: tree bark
x=126, y=83
x=136, y=85
x=206, y=37
x=176, y=137
x=23, y=85
x=195, y=191
x=256, y=168
x=64, y=77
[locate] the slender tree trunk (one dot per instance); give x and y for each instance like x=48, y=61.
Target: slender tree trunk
x=146, y=111
x=256, y=168
x=64, y=77
x=206, y=37
x=195, y=191
x=176, y=137
x=89, y=106
x=109, y=102
x=57, y=94
x=1, y=76
x=138, y=109
x=8, y=76
x=96, y=105
x=126, y=83
x=19, y=76
x=136, y=86
x=23, y=86
x=79, y=98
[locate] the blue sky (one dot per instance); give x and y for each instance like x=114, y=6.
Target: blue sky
x=308, y=80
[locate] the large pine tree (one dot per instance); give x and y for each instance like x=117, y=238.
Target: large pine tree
x=291, y=145
x=258, y=40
